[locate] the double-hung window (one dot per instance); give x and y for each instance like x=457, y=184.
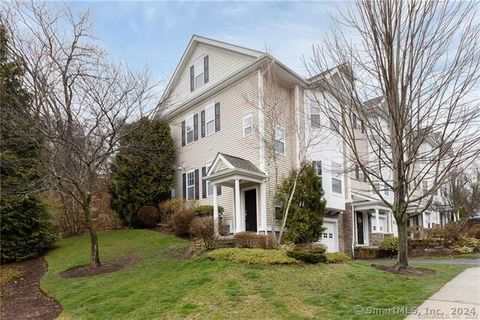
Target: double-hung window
x=191, y=185
x=315, y=115
x=247, y=125
x=208, y=185
x=199, y=69
x=189, y=129
x=425, y=186
x=279, y=140
x=199, y=74
x=359, y=173
x=334, y=125
x=336, y=179
x=210, y=120
x=318, y=168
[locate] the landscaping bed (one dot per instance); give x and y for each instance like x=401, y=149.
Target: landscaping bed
x=21, y=297
x=165, y=285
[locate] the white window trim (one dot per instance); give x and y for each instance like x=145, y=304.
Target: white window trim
x=207, y=121
x=187, y=185
x=186, y=131
x=195, y=74
x=284, y=140
x=341, y=185
x=246, y=127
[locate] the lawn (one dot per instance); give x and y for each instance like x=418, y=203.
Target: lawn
x=163, y=284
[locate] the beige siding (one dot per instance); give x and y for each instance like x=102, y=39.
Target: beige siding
x=222, y=64
x=234, y=105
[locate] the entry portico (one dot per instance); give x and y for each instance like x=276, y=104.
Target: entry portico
x=248, y=183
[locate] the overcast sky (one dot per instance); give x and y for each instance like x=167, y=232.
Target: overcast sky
x=156, y=33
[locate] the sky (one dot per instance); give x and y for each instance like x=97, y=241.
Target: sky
x=155, y=34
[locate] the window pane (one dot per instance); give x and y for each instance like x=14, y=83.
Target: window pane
x=319, y=168
x=336, y=185
x=315, y=120
x=199, y=80
x=210, y=127
x=189, y=136
x=279, y=147
x=248, y=131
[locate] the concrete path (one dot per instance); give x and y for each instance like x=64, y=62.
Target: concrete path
x=458, y=299
x=471, y=262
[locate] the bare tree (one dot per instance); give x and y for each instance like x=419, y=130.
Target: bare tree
x=423, y=59
x=82, y=102
x=277, y=110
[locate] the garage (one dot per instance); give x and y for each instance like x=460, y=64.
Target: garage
x=329, y=237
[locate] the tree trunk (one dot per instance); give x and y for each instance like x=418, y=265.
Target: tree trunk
x=402, y=259
x=94, y=255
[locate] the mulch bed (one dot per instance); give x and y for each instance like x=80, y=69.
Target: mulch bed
x=419, y=272
x=23, y=299
x=105, y=267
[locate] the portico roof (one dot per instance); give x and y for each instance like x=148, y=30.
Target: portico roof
x=226, y=168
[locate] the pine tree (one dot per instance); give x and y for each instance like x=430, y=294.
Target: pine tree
x=142, y=171
x=25, y=222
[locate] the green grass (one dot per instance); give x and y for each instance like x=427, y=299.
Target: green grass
x=163, y=285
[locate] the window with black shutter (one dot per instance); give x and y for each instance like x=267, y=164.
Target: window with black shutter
x=195, y=127
x=197, y=187
x=184, y=186
x=192, y=78
x=205, y=69
x=217, y=116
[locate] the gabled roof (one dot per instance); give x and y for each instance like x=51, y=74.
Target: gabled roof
x=240, y=163
x=196, y=39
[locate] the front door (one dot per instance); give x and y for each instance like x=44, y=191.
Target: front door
x=251, y=210
x=359, y=217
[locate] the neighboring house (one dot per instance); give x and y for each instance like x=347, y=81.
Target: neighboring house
x=215, y=103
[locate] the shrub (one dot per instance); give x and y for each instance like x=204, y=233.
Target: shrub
x=461, y=249
x=168, y=208
x=465, y=241
x=181, y=220
x=390, y=244
x=252, y=256
x=146, y=217
x=305, y=216
x=371, y=253
x=196, y=248
x=142, y=171
x=252, y=240
x=336, y=257
x=308, y=255
x=202, y=228
x=207, y=210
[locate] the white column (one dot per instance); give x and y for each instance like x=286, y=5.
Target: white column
x=215, y=210
x=238, y=217
x=263, y=205
x=377, y=221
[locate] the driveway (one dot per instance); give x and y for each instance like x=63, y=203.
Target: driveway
x=458, y=299
x=470, y=262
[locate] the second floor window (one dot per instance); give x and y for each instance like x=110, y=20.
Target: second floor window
x=189, y=129
x=359, y=173
x=317, y=165
x=209, y=120
x=279, y=140
x=425, y=186
x=315, y=116
x=247, y=125
x=336, y=185
x=334, y=125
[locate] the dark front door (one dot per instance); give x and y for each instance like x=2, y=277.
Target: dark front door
x=251, y=210
x=359, y=217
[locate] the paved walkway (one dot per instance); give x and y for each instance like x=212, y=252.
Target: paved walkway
x=458, y=299
x=471, y=262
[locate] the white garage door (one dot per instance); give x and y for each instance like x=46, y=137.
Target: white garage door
x=329, y=237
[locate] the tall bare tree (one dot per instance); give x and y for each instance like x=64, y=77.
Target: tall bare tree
x=422, y=58
x=82, y=102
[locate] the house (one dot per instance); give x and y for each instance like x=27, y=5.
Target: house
x=241, y=120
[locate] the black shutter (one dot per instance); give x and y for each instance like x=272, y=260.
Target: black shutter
x=192, y=79
x=217, y=116
x=183, y=133
x=219, y=190
x=195, y=127
x=204, y=183
x=202, y=120
x=205, y=69
x=196, y=185
x=184, y=186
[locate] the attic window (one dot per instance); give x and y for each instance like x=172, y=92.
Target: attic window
x=199, y=73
